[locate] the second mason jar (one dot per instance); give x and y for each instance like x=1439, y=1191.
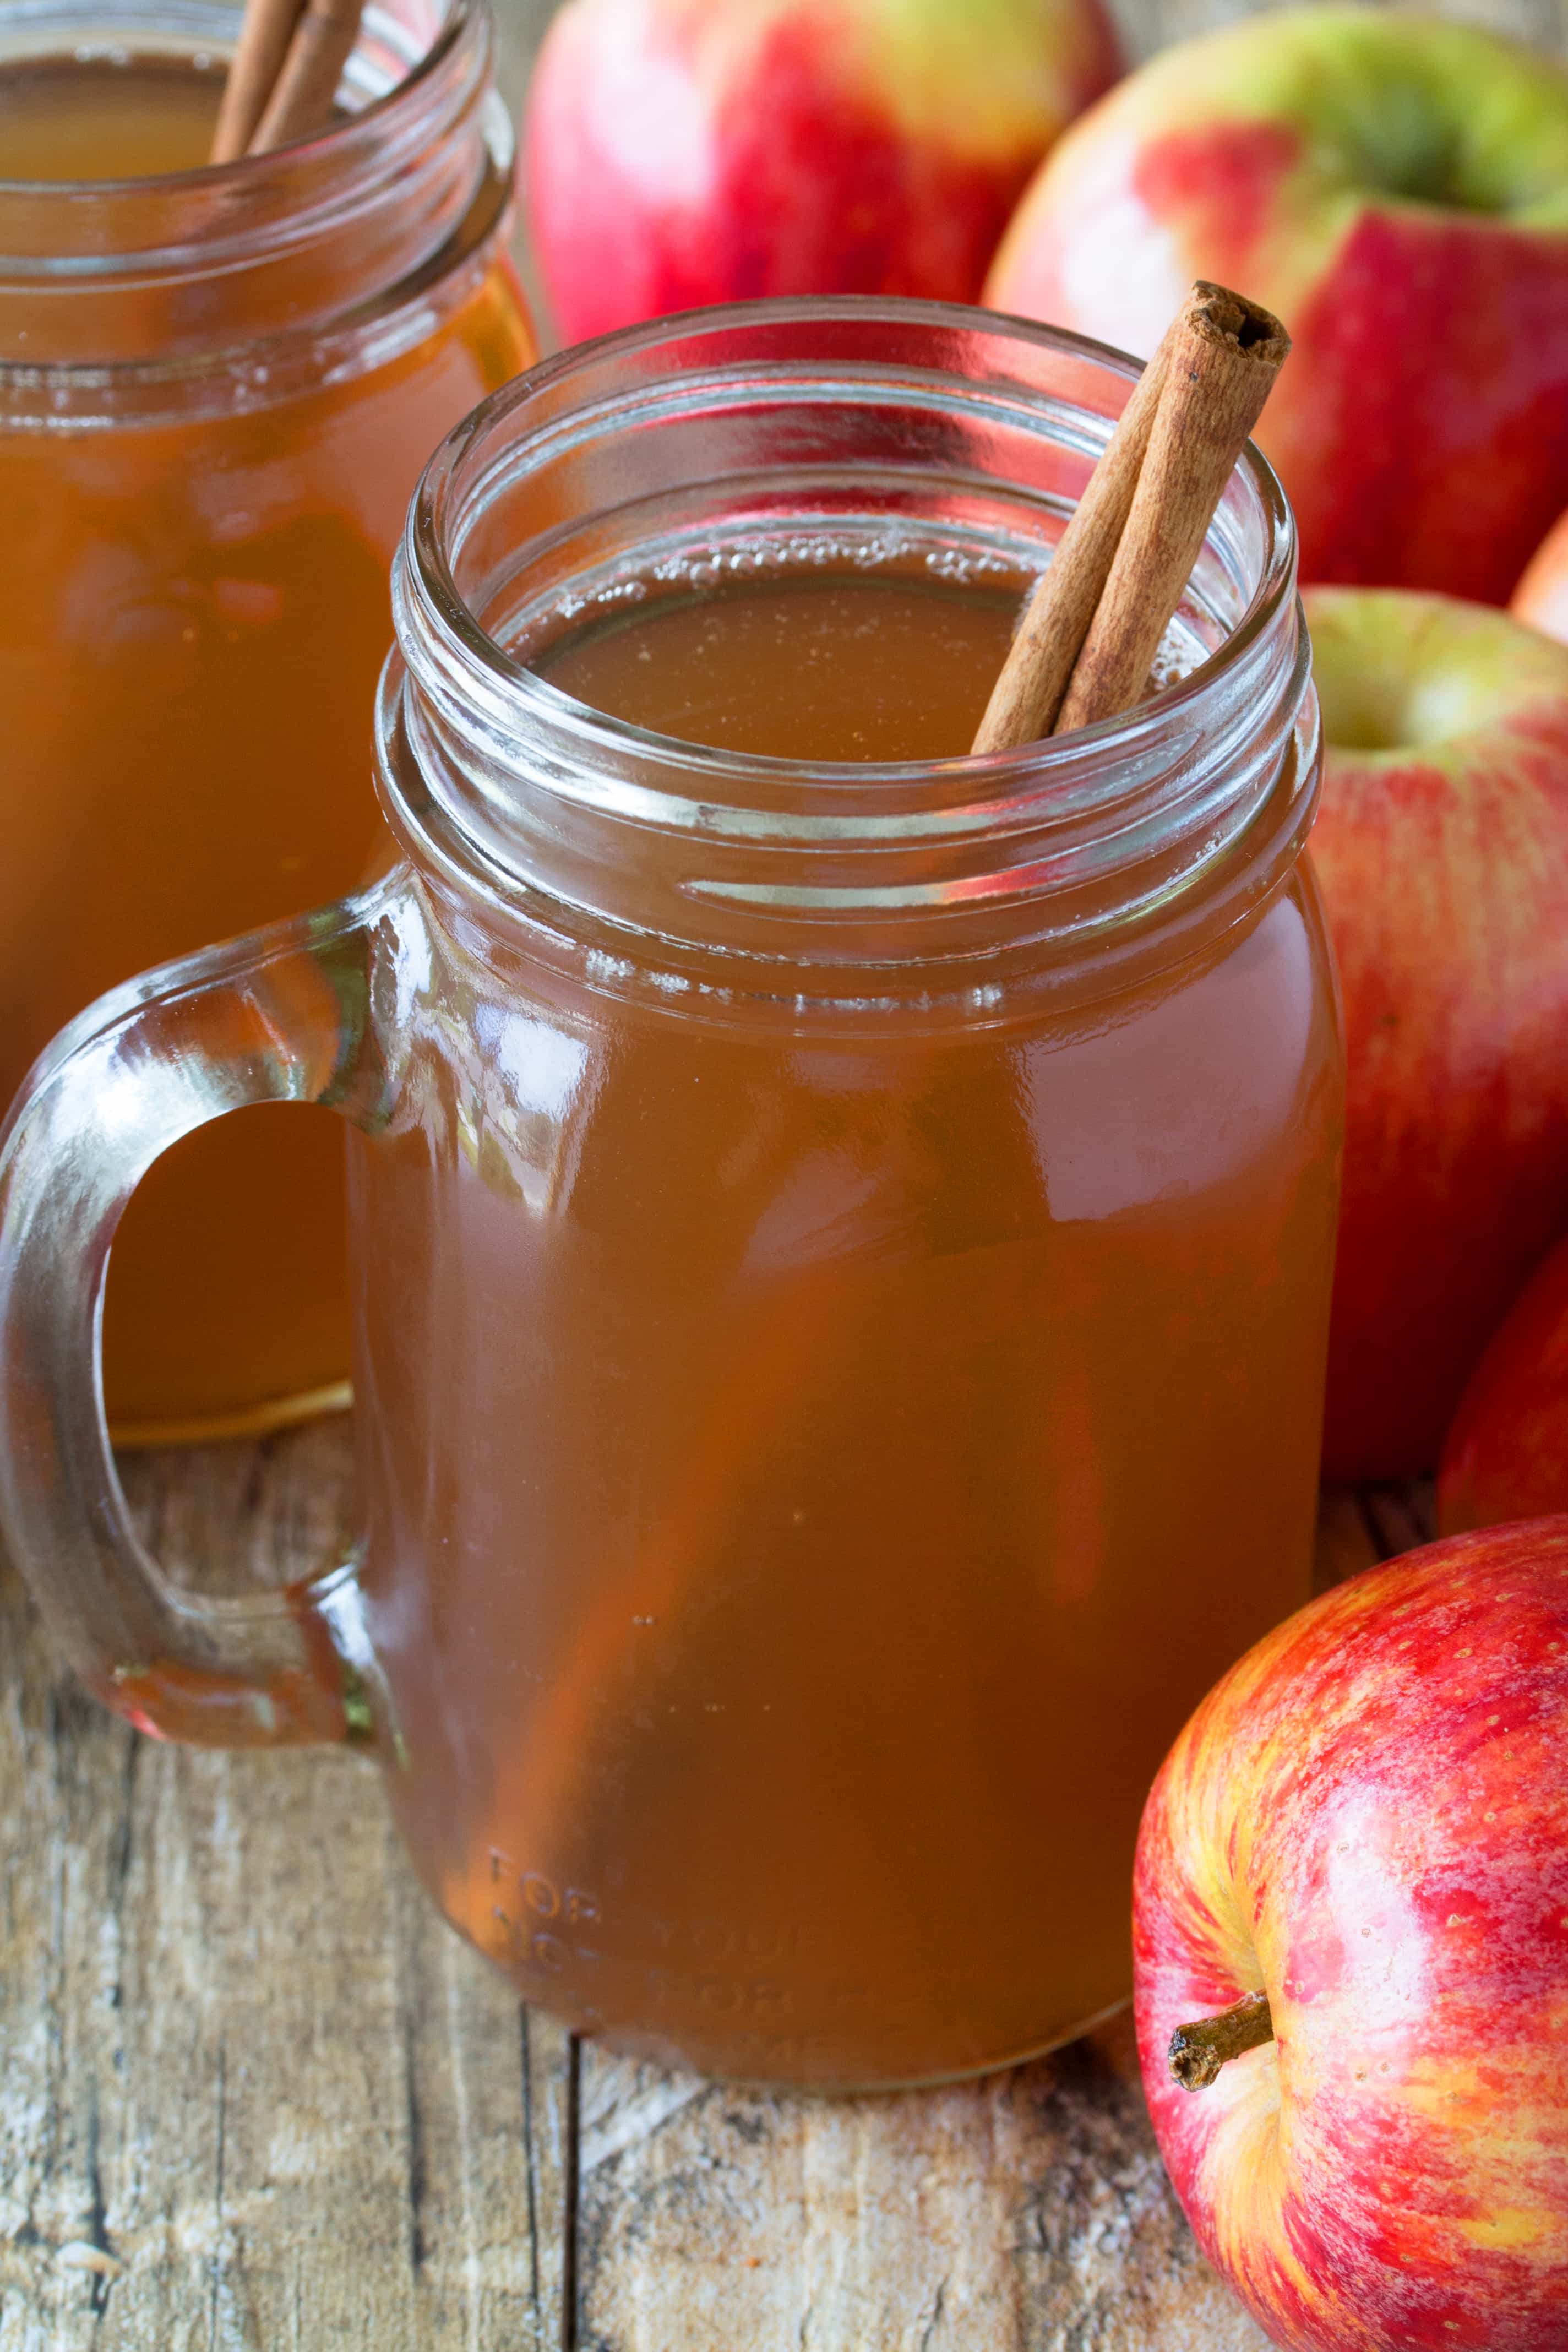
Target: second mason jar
x=217, y=386
x=841, y=1251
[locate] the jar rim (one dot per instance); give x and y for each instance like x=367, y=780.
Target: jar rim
x=357, y=133
x=425, y=554
x=700, y=432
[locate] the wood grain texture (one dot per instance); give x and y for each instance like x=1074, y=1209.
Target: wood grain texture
x=1144, y=24
x=255, y=2094
x=1147, y=25
x=1026, y=2212
x=1346, y=1543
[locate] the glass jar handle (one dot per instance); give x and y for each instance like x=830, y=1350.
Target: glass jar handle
x=279, y=1016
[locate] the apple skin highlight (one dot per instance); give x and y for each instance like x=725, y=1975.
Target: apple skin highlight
x=1367, y=1819
x=1396, y=191
x=678, y=153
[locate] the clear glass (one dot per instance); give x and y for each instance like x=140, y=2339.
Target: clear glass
x=841, y=1255
x=216, y=391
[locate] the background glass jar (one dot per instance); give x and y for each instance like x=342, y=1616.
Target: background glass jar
x=841, y=1253
x=216, y=389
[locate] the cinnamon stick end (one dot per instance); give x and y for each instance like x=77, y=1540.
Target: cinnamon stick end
x=1219, y=314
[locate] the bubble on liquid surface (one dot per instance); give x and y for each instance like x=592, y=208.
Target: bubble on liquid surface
x=526, y=625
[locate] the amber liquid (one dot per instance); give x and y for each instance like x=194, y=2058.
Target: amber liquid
x=812, y=1474
x=96, y=119
x=193, y=614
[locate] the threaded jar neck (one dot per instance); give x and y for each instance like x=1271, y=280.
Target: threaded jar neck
x=702, y=440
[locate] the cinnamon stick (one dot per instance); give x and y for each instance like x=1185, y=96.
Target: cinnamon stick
x=1084, y=649
x=302, y=100
x=1222, y=366
x=1028, y=691
x=264, y=39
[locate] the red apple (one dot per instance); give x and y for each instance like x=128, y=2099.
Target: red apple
x=1367, y=1823
x=1507, y=1453
x=1541, y=599
x=682, y=151
x=1396, y=189
x=1442, y=849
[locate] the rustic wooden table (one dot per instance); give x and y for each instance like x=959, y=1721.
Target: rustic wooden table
x=255, y=2097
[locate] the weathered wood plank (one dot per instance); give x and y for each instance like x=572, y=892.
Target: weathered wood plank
x=1148, y=23
x=523, y=24
x=1345, y=1542
x=1026, y=2212
x=254, y=2093
x=1144, y=24
x=1400, y=1517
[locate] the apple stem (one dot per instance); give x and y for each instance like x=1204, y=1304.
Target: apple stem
x=1197, y=2051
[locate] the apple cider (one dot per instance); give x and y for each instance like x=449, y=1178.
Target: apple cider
x=206, y=454
x=860, y=1454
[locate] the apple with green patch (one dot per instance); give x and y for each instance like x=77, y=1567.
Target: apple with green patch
x=1441, y=847
x=1351, y=1955
x=1397, y=189
x=1505, y=1456
x=684, y=152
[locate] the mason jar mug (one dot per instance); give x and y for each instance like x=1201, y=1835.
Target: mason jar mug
x=217, y=388
x=841, y=1252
